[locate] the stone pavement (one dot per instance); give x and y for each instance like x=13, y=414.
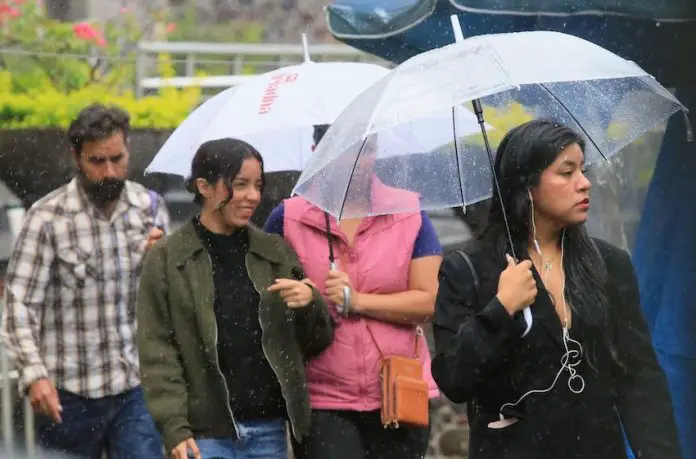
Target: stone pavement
x=450, y=432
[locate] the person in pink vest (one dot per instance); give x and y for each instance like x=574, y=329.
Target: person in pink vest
x=390, y=263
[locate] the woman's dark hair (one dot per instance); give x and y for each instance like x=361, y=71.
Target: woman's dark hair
x=523, y=154
x=220, y=159
x=97, y=122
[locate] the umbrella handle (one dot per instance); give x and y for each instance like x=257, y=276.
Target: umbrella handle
x=345, y=308
x=527, y=313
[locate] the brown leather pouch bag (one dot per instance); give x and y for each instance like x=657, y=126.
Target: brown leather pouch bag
x=404, y=391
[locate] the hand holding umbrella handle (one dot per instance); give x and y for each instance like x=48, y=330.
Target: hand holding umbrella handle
x=526, y=312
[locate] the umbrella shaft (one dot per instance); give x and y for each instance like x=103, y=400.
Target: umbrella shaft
x=329, y=237
x=478, y=110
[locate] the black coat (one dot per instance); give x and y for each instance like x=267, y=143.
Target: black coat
x=482, y=359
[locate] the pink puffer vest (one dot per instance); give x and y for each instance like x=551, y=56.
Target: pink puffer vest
x=346, y=375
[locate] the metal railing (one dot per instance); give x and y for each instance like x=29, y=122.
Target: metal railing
x=240, y=61
x=10, y=398
x=215, y=82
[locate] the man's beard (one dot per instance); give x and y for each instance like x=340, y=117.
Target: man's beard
x=102, y=191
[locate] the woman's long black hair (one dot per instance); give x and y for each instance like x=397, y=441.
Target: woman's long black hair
x=220, y=159
x=523, y=154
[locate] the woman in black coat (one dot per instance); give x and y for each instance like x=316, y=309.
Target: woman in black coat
x=564, y=387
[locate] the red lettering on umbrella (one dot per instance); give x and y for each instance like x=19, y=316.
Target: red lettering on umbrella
x=270, y=94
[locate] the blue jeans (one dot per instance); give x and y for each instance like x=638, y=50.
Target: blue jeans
x=119, y=424
x=257, y=440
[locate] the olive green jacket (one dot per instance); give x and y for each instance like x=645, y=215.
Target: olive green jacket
x=177, y=332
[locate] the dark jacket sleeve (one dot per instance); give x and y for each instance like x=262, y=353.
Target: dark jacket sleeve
x=314, y=326
x=471, y=341
x=161, y=371
x=643, y=400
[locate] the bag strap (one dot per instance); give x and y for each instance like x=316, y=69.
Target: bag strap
x=474, y=275
x=154, y=204
x=418, y=334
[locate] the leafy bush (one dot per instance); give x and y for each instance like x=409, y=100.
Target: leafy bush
x=500, y=119
x=50, y=108
x=46, y=78
x=40, y=50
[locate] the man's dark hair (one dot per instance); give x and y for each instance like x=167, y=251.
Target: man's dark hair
x=97, y=122
x=220, y=159
x=319, y=131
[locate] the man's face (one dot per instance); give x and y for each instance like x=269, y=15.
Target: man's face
x=103, y=166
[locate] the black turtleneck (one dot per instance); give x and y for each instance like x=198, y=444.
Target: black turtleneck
x=253, y=386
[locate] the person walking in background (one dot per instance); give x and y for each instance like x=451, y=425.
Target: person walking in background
x=227, y=321
x=69, y=320
x=586, y=367
x=390, y=265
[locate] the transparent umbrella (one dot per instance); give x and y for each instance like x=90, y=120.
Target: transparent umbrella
x=538, y=74
x=527, y=74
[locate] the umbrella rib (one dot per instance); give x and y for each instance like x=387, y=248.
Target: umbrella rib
x=350, y=178
x=456, y=156
x=589, y=137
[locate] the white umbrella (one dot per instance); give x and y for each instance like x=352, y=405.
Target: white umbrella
x=275, y=112
x=282, y=150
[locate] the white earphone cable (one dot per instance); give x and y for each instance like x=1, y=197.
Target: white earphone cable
x=573, y=349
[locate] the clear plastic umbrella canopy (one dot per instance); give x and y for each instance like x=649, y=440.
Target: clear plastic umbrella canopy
x=517, y=77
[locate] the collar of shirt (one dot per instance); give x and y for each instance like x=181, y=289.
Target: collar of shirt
x=237, y=242
x=76, y=201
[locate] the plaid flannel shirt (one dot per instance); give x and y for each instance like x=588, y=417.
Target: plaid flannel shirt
x=70, y=291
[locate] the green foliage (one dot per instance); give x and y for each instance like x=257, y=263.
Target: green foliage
x=45, y=79
x=501, y=120
x=188, y=28
x=39, y=50
x=51, y=108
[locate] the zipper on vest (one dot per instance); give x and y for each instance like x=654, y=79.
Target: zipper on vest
x=263, y=349
x=219, y=369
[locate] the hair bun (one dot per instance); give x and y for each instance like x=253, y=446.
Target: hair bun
x=190, y=185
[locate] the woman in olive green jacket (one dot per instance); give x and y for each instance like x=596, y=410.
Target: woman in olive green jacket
x=226, y=321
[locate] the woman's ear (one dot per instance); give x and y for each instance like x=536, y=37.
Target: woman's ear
x=533, y=198
x=204, y=188
x=533, y=194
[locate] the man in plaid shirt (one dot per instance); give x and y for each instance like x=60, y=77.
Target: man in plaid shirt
x=71, y=285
